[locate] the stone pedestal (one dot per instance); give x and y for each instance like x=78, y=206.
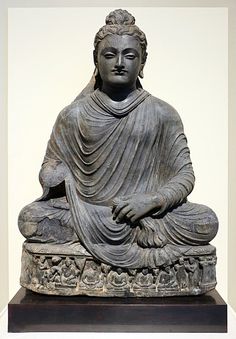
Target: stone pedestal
x=33, y=312
x=70, y=270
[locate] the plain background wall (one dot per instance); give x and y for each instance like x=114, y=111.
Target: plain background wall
x=232, y=156
x=50, y=62
x=3, y=167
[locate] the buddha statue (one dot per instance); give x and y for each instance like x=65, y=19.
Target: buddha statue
x=116, y=176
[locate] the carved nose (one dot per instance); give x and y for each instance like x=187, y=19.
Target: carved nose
x=119, y=63
x=119, y=67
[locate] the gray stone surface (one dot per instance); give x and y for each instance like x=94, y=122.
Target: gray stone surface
x=71, y=270
x=116, y=176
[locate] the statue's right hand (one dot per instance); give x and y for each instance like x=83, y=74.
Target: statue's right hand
x=52, y=173
x=136, y=206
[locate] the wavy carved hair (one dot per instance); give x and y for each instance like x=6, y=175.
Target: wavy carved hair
x=121, y=22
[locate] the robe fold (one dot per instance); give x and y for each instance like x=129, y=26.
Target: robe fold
x=103, y=150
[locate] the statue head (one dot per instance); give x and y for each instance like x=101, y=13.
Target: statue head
x=145, y=271
x=68, y=261
x=167, y=269
x=42, y=258
x=119, y=270
x=56, y=260
x=120, y=31
x=191, y=260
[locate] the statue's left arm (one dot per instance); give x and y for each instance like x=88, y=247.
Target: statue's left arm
x=178, y=176
x=175, y=173
x=176, y=190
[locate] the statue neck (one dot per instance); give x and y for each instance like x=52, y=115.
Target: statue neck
x=118, y=93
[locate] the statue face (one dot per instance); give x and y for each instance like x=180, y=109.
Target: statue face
x=119, y=60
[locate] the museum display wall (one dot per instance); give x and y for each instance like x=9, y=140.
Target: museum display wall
x=49, y=63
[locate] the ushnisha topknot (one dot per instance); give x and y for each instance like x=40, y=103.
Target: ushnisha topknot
x=121, y=22
x=120, y=17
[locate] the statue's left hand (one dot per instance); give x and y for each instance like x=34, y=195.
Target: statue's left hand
x=135, y=206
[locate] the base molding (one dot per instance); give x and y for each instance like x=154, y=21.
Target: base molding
x=33, y=312
x=62, y=270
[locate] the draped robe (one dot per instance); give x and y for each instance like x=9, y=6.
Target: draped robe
x=104, y=149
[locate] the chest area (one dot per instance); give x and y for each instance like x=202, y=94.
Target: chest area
x=138, y=125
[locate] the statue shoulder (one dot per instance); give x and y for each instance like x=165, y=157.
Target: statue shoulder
x=71, y=112
x=167, y=112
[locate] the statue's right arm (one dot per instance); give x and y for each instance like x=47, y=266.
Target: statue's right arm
x=53, y=172
x=52, y=179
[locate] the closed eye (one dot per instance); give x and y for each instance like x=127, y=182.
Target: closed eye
x=109, y=55
x=130, y=56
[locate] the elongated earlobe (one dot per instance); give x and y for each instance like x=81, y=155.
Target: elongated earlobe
x=96, y=72
x=141, y=75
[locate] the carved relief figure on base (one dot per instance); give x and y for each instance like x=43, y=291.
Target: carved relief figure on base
x=116, y=176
